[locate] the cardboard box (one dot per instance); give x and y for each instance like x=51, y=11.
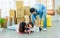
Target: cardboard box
x=10, y=21
x=15, y=20
x=12, y=13
x=30, y=18
x=20, y=19
x=19, y=4
x=26, y=10
x=20, y=12
x=19, y=9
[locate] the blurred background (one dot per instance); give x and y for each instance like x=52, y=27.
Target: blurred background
x=18, y=10
x=7, y=5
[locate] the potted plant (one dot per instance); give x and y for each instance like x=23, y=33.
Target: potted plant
x=2, y=20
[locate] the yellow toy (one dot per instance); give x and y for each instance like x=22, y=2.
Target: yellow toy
x=49, y=21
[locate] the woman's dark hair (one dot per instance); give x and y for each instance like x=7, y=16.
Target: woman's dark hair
x=31, y=24
x=32, y=10
x=22, y=27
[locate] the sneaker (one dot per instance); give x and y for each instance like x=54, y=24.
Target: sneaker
x=44, y=29
x=40, y=28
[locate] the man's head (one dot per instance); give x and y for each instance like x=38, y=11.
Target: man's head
x=32, y=10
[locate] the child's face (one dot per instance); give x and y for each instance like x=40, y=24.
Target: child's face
x=30, y=26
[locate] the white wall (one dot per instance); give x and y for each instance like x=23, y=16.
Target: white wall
x=56, y=17
x=5, y=6
x=30, y=2
x=57, y=3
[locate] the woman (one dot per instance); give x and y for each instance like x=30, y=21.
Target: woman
x=23, y=28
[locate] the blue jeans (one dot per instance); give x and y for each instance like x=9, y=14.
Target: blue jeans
x=33, y=18
x=45, y=22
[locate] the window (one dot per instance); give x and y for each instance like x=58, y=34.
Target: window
x=50, y=6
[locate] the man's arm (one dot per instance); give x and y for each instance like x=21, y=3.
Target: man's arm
x=33, y=19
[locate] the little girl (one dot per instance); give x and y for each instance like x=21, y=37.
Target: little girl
x=34, y=27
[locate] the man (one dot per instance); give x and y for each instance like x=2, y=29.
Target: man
x=40, y=10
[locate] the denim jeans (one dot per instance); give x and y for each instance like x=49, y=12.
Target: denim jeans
x=33, y=18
